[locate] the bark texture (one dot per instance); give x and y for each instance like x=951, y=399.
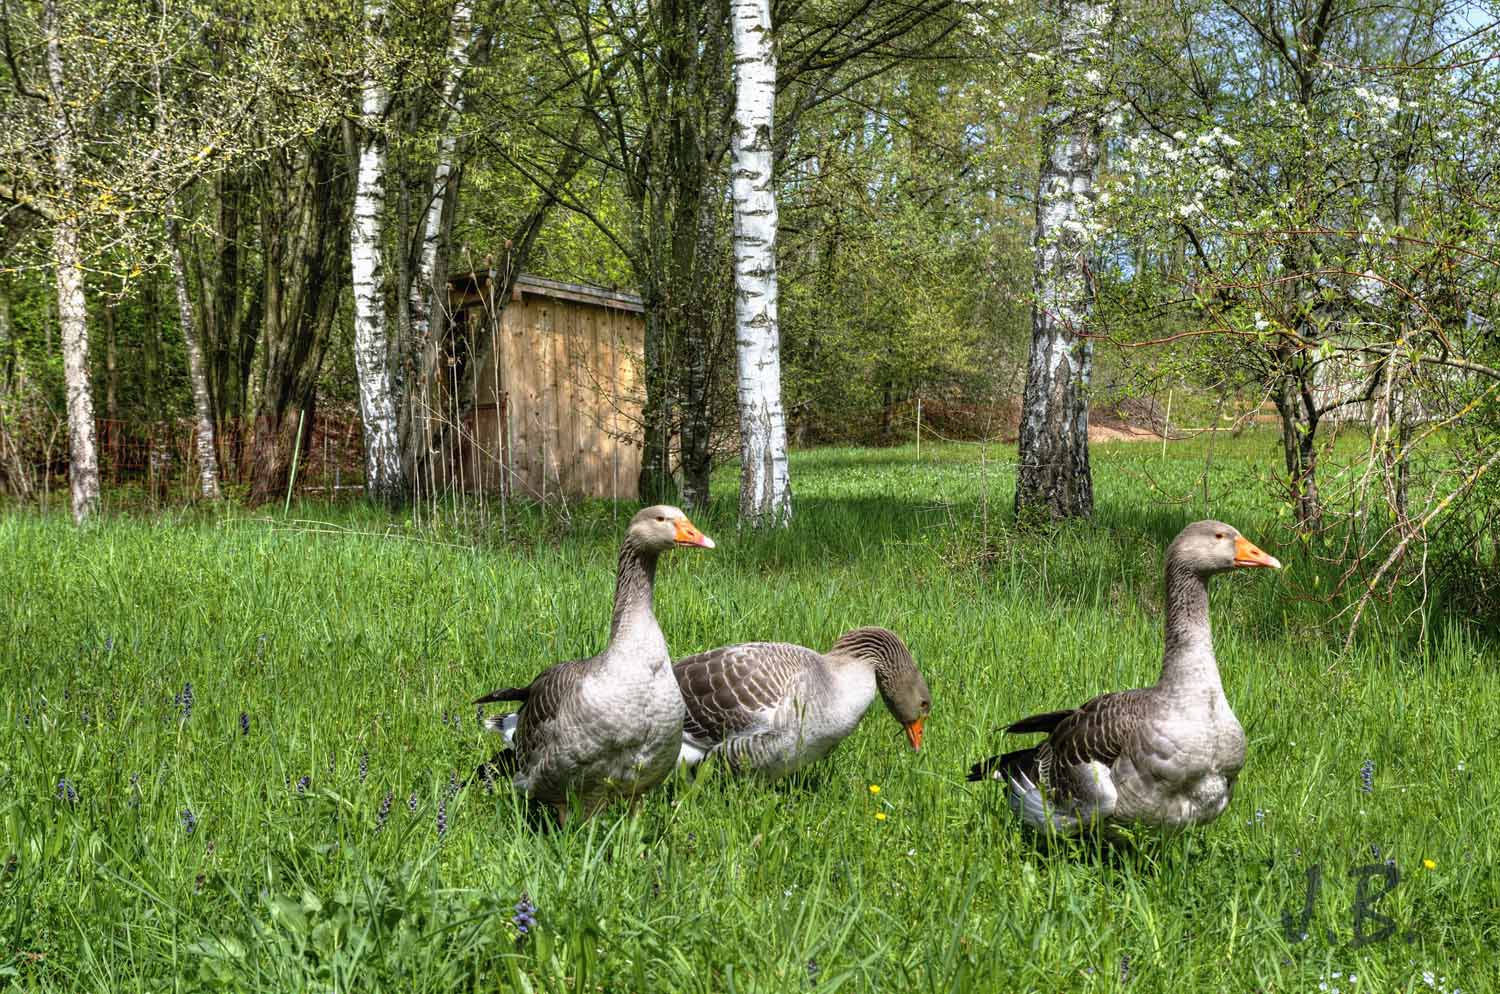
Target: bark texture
x=427, y=302
x=304, y=234
x=765, y=483
x=203, y=406
x=1053, y=478
x=72, y=308
x=376, y=363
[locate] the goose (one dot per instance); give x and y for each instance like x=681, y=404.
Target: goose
x=773, y=708
x=610, y=725
x=1164, y=756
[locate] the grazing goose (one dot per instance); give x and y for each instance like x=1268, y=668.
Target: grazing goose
x=774, y=707
x=1164, y=755
x=609, y=725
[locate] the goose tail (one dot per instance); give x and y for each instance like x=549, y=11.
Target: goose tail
x=1007, y=766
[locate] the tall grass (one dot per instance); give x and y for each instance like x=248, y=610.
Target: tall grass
x=351, y=646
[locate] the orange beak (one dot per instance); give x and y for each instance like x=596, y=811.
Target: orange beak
x=914, y=733
x=687, y=534
x=1246, y=553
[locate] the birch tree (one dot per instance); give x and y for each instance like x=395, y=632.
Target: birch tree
x=765, y=483
x=429, y=279
x=203, y=408
x=374, y=361
x=72, y=308
x=427, y=274
x=1053, y=476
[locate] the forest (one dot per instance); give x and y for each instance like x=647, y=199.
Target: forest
x=223, y=225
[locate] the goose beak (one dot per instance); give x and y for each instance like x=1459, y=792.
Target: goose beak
x=914, y=733
x=1246, y=553
x=687, y=534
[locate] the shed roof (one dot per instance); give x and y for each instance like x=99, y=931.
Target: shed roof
x=527, y=284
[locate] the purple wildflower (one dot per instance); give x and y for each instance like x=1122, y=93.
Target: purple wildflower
x=364, y=765
x=303, y=782
x=244, y=723
x=525, y=916
x=187, y=700
x=1367, y=776
x=384, y=812
x=330, y=762
x=198, y=883
x=452, y=782
x=411, y=802
x=189, y=821
x=66, y=791
x=442, y=819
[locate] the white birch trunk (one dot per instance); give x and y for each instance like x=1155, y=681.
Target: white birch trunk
x=423, y=287
x=72, y=308
x=1053, y=475
x=765, y=484
x=203, y=410
x=429, y=282
x=374, y=359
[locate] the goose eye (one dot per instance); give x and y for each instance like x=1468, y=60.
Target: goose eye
x=1219, y=535
x=662, y=517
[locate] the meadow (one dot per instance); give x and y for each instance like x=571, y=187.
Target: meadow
x=232, y=745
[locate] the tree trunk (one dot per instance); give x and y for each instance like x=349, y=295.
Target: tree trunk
x=428, y=298
x=1299, y=434
x=376, y=362
x=708, y=313
x=72, y=308
x=304, y=231
x=765, y=482
x=159, y=453
x=1053, y=476
x=203, y=408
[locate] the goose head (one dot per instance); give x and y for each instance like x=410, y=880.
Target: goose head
x=896, y=676
x=664, y=527
x=1209, y=547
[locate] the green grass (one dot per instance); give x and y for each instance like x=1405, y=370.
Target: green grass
x=360, y=635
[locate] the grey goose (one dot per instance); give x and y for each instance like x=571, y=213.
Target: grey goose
x=1164, y=756
x=610, y=725
x=773, y=707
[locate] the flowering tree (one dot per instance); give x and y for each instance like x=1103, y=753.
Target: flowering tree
x=1299, y=219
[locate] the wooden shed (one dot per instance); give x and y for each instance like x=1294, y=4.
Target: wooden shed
x=545, y=390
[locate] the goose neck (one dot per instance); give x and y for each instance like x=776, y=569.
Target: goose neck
x=1189, y=656
x=633, y=585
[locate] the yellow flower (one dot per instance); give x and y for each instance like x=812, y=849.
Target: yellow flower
x=880, y=816
x=1429, y=864
x=874, y=788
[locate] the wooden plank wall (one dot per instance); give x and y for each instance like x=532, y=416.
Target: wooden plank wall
x=570, y=375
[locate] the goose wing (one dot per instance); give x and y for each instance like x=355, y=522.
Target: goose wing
x=733, y=690
x=1098, y=732
x=552, y=707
